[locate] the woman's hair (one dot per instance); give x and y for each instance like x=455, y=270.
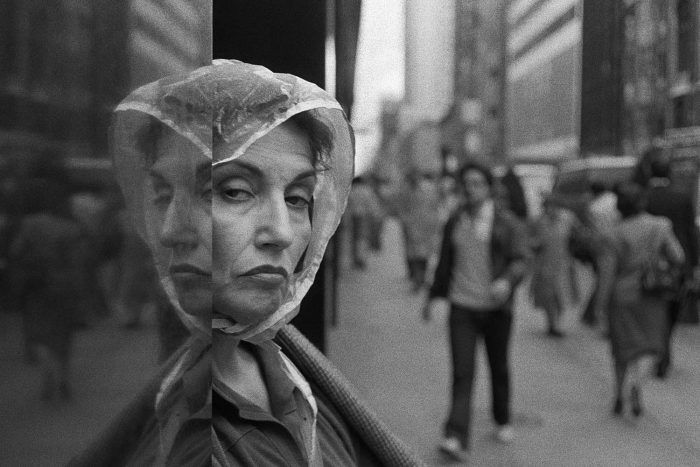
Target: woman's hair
x=479, y=168
x=148, y=136
x=320, y=136
x=630, y=198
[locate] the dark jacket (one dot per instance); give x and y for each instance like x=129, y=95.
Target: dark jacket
x=509, y=252
x=678, y=207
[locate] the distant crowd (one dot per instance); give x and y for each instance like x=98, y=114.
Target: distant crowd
x=468, y=240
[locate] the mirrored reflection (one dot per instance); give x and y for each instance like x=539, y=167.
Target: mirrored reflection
x=84, y=324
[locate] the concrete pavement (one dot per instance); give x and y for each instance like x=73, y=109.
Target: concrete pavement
x=562, y=389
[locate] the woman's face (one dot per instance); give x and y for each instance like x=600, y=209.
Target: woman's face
x=476, y=187
x=178, y=214
x=261, y=223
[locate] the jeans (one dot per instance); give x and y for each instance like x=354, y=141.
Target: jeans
x=672, y=313
x=466, y=325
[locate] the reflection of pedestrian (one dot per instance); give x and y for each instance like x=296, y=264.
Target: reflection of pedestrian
x=637, y=323
x=482, y=258
x=48, y=253
x=137, y=281
x=665, y=200
x=553, y=284
x=89, y=210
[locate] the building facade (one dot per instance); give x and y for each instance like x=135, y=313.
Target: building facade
x=66, y=63
x=543, y=80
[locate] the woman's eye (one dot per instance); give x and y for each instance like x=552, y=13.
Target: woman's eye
x=162, y=196
x=298, y=201
x=236, y=194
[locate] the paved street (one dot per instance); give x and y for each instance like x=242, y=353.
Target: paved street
x=111, y=364
x=562, y=388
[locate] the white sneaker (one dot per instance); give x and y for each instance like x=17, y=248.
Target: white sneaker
x=505, y=434
x=454, y=448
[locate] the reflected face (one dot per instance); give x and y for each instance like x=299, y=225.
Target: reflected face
x=178, y=213
x=476, y=187
x=261, y=223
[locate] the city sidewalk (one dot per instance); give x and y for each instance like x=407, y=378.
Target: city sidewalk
x=562, y=389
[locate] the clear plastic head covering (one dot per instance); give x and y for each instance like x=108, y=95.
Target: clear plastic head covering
x=222, y=109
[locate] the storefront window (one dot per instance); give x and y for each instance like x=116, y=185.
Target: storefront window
x=64, y=65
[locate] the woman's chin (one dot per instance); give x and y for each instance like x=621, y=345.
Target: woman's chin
x=247, y=311
x=195, y=301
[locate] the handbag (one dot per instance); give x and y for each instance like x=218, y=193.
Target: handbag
x=660, y=277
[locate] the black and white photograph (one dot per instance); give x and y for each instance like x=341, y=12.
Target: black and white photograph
x=349, y=233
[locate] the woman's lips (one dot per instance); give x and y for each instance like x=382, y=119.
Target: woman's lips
x=267, y=274
x=187, y=269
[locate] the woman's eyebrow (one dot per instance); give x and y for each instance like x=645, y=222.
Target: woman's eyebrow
x=248, y=167
x=307, y=174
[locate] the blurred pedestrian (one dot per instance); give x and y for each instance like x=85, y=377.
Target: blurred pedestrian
x=637, y=319
x=378, y=215
x=88, y=209
x=513, y=193
x=482, y=259
x=137, y=283
x=449, y=197
x=602, y=209
x=419, y=214
x=553, y=285
x=677, y=206
x=48, y=258
x=600, y=218
x=362, y=209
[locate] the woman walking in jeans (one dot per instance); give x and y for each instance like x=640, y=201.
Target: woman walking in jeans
x=482, y=258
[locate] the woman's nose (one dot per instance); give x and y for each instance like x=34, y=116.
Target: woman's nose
x=275, y=225
x=178, y=230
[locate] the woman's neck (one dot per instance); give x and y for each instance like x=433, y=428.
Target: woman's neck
x=236, y=366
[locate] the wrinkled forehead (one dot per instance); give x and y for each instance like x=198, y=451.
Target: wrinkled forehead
x=163, y=146
x=287, y=138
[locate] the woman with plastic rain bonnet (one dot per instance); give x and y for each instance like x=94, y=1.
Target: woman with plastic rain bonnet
x=253, y=169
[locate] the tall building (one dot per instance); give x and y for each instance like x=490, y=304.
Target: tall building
x=167, y=37
x=644, y=64
x=64, y=64
x=597, y=77
x=429, y=83
x=543, y=79
x=53, y=73
x=683, y=65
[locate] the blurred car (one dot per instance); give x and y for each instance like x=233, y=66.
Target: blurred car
x=577, y=176
x=575, y=179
